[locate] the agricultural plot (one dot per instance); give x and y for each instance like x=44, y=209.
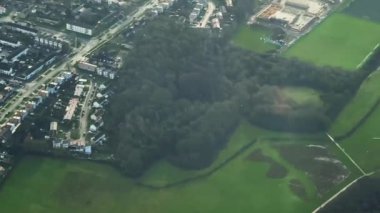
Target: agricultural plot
x=254, y=39
x=163, y=173
x=360, y=105
x=365, y=9
x=242, y=186
x=340, y=41
x=364, y=144
x=267, y=172
x=267, y=169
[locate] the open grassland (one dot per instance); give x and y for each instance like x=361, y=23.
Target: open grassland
x=364, y=144
x=46, y=185
x=360, y=105
x=163, y=173
x=245, y=184
x=302, y=95
x=340, y=41
x=365, y=9
x=251, y=38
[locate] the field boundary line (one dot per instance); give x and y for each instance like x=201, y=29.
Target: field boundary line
x=341, y=191
x=368, y=56
x=347, y=155
x=350, y=132
x=202, y=175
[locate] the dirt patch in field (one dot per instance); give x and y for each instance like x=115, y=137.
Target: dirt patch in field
x=324, y=169
x=276, y=170
x=298, y=189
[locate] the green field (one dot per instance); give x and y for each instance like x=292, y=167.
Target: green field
x=302, y=95
x=250, y=38
x=46, y=185
x=163, y=173
x=340, y=41
x=366, y=9
x=366, y=97
x=243, y=185
x=364, y=144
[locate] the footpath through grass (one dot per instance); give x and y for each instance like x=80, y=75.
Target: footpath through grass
x=340, y=41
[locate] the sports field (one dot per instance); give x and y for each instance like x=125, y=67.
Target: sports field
x=251, y=38
x=340, y=41
x=366, y=97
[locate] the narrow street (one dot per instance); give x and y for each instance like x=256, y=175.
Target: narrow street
x=84, y=114
x=206, y=17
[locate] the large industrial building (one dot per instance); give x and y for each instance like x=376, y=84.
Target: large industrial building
x=296, y=15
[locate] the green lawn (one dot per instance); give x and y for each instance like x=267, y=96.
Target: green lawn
x=47, y=185
x=340, y=41
x=251, y=38
x=163, y=173
x=364, y=144
x=302, y=95
x=365, y=98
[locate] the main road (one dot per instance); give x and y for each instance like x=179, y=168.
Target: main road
x=89, y=47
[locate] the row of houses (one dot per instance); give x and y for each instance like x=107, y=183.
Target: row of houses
x=24, y=59
x=14, y=121
x=100, y=71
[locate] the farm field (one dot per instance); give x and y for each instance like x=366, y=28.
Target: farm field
x=264, y=170
x=366, y=97
x=163, y=173
x=85, y=187
x=340, y=41
x=365, y=9
x=364, y=144
x=251, y=39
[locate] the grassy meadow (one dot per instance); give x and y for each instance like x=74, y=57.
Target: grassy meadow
x=244, y=185
x=302, y=95
x=250, y=38
x=339, y=41
x=365, y=98
x=364, y=144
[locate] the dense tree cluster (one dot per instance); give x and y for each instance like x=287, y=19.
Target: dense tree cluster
x=182, y=92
